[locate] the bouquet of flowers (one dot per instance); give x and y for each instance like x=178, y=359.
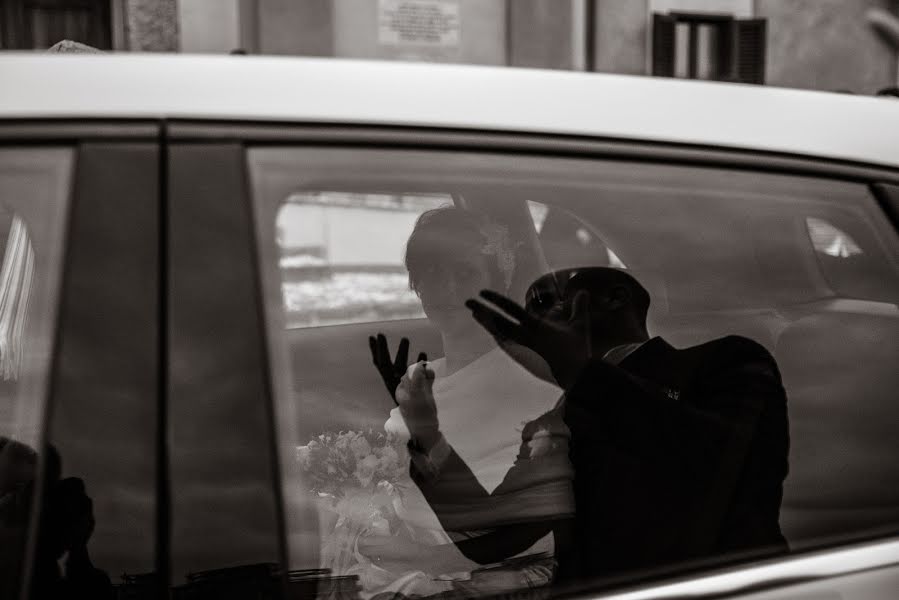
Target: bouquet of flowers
x=335, y=464
x=353, y=476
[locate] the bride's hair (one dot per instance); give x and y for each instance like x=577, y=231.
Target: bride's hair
x=448, y=225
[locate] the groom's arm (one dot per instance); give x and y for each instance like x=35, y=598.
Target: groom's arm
x=729, y=436
x=444, y=478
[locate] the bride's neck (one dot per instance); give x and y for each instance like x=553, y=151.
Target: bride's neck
x=463, y=348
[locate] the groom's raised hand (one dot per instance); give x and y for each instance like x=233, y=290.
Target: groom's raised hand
x=391, y=371
x=560, y=337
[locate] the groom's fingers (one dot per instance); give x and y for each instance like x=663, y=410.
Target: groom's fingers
x=508, y=306
x=501, y=328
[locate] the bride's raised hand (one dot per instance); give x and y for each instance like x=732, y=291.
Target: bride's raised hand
x=391, y=371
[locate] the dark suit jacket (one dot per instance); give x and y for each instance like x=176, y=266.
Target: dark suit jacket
x=678, y=455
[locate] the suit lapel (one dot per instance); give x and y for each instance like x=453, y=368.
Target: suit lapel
x=661, y=363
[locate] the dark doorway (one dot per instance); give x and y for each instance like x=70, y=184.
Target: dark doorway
x=38, y=24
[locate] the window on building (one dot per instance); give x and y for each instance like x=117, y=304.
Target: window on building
x=709, y=46
x=38, y=24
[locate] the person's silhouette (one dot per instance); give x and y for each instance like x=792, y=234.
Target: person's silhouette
x=679, y=454
x=483, y=398
x=66, y=525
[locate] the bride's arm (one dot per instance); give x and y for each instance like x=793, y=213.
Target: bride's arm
x=503, y=542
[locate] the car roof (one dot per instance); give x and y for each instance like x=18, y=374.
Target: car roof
x=337, y=91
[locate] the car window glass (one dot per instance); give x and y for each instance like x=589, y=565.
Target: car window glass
x=854, y=268
x=327, y=253
x=568, y=242
x=743, y=310
x=829, y=240
x=34, y=193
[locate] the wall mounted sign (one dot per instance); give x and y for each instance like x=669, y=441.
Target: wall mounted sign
x=434, y=23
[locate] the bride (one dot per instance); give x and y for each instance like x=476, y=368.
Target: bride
x=484, y=399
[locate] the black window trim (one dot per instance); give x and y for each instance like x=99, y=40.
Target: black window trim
x=609, y=148
x=43, y=131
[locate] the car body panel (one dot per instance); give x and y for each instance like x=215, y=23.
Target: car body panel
x=481, y=98
x=818, y=567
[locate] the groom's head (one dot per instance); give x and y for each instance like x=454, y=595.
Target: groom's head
x=616, y=301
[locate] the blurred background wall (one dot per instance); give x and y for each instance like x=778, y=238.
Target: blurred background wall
x=828, y=44
x=836, y=45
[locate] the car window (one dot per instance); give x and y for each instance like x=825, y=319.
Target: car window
x=34, y=194
x=326, y=252
x=754, y=417
x=567, y=241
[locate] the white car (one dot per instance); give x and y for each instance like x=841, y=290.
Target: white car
x=198, y=248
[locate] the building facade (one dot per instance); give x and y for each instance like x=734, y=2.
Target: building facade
x=836, y=45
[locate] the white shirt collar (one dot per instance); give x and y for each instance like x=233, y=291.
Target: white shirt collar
x=619, y=353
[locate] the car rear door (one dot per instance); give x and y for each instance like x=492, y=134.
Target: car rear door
x=81, y=288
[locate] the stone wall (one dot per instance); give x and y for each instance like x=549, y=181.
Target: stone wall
x=815, y=44
x=296, y=27
x=151, y=25
x=541, y=33
x=620, y=44
x=826, y=45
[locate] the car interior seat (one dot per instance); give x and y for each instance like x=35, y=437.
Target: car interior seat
x=839, y=366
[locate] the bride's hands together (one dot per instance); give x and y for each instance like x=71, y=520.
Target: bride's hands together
x=415, y=397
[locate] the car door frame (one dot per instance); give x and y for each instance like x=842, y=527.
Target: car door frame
x=112, y=228
x=866, y=554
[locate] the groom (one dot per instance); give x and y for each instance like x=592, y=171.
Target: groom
x=679, y=455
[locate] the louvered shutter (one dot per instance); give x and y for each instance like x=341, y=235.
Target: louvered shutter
x=663, y=48
x=750, y=41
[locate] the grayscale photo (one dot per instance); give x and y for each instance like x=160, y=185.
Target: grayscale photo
x=449, y=299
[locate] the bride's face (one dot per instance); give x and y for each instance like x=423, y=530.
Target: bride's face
x=456, y=274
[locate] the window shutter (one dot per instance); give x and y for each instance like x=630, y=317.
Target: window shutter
x=663, y=40
x=750, y=37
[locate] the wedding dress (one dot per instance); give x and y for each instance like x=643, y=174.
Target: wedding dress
x=483, y=409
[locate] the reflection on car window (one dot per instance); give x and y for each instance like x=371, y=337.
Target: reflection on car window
x=568, y=242
x=851, y=263
x=16, y=277
x=685, y=375
x=829, y=240
x=33, y=196
x=334, y=271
